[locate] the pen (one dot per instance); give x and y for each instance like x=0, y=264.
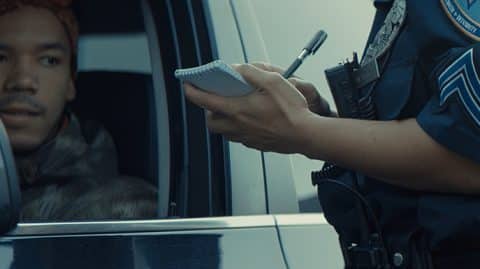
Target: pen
x=310, y=49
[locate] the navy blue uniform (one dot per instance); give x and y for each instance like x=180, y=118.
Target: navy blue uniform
x=430, y=73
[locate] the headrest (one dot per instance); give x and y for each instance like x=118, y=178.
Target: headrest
x=122, y=103
x=109, y=16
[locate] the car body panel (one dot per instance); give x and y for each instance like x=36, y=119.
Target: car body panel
x=309, y=241
x=203, y=249
x=260, y=183
x=246, y=165
x=281, y=193
x=304, y=240
x=228, y=242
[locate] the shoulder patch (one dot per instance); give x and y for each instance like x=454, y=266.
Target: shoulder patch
x=461, y=79
x=465, y=15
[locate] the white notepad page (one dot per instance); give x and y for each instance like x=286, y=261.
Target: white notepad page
x=216, y=77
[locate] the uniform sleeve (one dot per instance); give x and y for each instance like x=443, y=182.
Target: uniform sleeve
x=452, y=115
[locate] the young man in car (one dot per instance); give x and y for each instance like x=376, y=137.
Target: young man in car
x=66, y=171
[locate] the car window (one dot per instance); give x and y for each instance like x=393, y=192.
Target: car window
x=180, y=156
x=118, y=166
x=125, y=83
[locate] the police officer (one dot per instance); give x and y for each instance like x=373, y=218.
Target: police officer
x=407, y=195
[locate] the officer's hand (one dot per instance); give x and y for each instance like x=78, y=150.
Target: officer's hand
x=316, y=103
x=268, y=119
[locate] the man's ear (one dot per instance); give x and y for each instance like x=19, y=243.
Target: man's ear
x=71, y=91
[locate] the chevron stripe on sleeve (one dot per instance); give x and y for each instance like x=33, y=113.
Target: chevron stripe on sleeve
x=461, y=79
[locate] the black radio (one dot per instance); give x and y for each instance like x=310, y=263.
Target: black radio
x=343, y=88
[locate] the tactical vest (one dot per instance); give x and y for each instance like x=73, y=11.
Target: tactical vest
x=381, y=225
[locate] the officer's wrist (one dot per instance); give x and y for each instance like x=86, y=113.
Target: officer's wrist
x=303, y=136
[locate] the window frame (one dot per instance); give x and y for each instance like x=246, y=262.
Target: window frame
x=246, y=182
x=162, y=134
x=178, y=196
x=204, y=192
x=161, y=104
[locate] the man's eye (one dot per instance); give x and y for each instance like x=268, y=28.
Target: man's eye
x=49, y=61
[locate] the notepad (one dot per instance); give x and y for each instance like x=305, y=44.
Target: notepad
x=216, y=77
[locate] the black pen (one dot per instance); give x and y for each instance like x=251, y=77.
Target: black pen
x=310, y=49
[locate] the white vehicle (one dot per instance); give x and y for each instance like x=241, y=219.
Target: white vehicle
x=221, y=205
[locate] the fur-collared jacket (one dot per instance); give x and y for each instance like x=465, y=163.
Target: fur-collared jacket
x=74, y=177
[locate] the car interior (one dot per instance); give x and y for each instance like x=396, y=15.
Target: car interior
x=120, y=100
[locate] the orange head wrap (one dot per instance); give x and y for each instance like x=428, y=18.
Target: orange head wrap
x=60, y=8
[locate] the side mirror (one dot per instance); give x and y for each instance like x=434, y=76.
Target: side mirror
x=10, y=199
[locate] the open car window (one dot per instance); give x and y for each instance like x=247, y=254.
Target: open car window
x=126, y=60
x=120, y=86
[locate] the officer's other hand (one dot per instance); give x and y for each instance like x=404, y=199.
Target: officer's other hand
x=268, y=119
x=316, y=103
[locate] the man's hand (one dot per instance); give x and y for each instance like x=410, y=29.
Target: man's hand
x=316, y=103
x=267, y=119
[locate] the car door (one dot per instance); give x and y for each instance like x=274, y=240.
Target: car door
x=200, y=223
x=217, y=199
x=306, y=238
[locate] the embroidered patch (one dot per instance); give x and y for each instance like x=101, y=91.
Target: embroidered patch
x=465, y=15
x=461, y=78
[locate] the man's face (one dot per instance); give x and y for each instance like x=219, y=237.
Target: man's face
x=35, y=75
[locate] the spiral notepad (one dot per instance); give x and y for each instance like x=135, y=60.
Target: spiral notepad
x=216, y=77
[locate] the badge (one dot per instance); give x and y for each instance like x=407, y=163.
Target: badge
x=388, y=33
x=461, y=79
x=465, y=15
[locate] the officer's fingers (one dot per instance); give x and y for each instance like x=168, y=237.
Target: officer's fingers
x=302, y=85
x=233, y=138
x=214, y=115
x=271, y=68
x=268, y=67
x=306, y=88
x=254, y=145
x=207, y=100
x=259, y=78
x=220, y=124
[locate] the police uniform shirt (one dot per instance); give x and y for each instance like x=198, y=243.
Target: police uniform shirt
x=452, y=115
x=431, y=73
